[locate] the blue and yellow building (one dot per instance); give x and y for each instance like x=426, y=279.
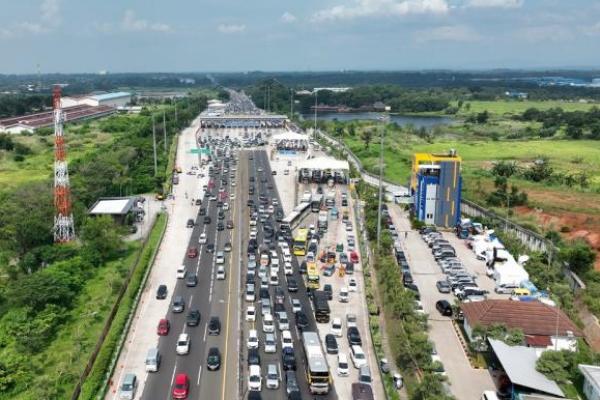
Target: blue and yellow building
x=436, y=188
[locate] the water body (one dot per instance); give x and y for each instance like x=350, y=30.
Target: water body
x=402, y=120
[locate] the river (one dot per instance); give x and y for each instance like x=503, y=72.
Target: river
x=402, y=120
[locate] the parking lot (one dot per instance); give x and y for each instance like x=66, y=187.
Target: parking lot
x=426, y=273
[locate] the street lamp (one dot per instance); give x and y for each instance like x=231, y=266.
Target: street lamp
x=384, y=118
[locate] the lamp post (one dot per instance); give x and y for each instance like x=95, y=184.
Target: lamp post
x=384, y=119
x=315, y=130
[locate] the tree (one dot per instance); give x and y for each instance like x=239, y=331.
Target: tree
x=578, y=255
x=101, y=239
x=482, y=117
x=539, y=171
x=505, y=169
x=554, y=365
x=430, y=388
x=366, y=136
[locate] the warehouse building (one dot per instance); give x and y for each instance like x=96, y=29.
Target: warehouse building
x=436, y=185
x=116, y=99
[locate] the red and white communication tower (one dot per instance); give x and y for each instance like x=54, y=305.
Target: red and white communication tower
x=64, y=228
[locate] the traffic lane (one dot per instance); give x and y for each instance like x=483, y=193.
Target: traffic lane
x=160, y=384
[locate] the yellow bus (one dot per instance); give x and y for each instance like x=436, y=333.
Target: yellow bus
x=312, y=276
x=300, y=240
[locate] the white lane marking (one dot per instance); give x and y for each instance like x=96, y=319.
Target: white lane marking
x=205, y=330
x=199, y=375
x=191, y=297
x=173, y=377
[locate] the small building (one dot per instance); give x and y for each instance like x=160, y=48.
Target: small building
x=116, y=99
x=545, y=327
x=436, y=184
x=591, y=381
x=117, y=207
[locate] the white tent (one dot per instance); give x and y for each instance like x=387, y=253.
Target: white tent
x=289, y=135
x=324, y=163
x=509, y=272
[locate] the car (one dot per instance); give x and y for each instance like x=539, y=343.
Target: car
x=336, y=327
x=253, y=357
x=327, y=288
x=193, y=318
x=351, y=320
x=220, y=226
x=210, y=248
x=198, y=202
x=213, y=360
x=161, y=292
x=190, y=223
x=353, y=256
x=192, y=252
x=286, y=339
x=227, y=247
x=252, y=341
x=268, y=324
x=206, y=220
x=163, y=327
x=292, y=285
x=220, y=258
x=251, y=314
x=214, y=326
x=353, y=336
x=296, y=306
x=229, y=224
x=202, y=239
x=178, y=304
x=443, y=286
x=183, y=344
x=181, y=388
x=331, y=344
x=301, y=320
x=352, y=285
x=358, y=356
x=444, y=307
x=191, y=280
x=288, y=358
x=254, y=378
x=343, y=367
x=128, y=387
x=272, y=376
x=291, y=384
x=270, y=343
x=282, y=320
x=221, y=273
x=344, y=295
x=202, y=212
x=181, y=272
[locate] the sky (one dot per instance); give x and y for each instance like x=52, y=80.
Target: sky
x=301, y=35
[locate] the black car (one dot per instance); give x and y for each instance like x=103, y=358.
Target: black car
x=213, y=360
x=301, y=320
x=206, y=219
x=278, y=307
x=193, y=318
x=191, y=280
x=161, y=292
x=220, y=226
x=214, y=326
x=198, y=202
x=407, y=278
x=292, y=285
x=202, y=211
x=444, y=307
x=288, y=358
x=302, y=267
x=328, y=289
x=263, y=293
x=353, y=336
x=415, y=289
x=190, y=223
x=253, y=357
x=331, y=344
x=210, y=248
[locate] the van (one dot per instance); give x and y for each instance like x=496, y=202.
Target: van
x=358, y=356
x=342, y=369
x=268, y=323
x=364, y=375
x=152, y=360
x=489, y=395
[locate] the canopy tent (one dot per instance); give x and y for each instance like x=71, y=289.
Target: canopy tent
x=289, y=135
x=325, y=163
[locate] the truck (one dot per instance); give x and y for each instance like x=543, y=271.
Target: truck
x=322, y=221
x=316, y=202
x=321, y=306
x=306, y=197
x=330, y=199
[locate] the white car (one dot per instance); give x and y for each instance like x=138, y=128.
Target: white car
x=352, y=285
x=221, y=273
x=220, y=257
x=268, y=324
x=225, y=206
x=287, y=268
x=183, y=344
x=253, y=222
x=251, y=314
x=358, y=356
x=336, y=327
x=270, y=343
x=181, y=272
x=282, y=321
x=254, y=378
x=284, y=247
x=232, y=196
x=286, y=340
x=343, y=368
x=202, y=239
x=296, y=305
x=287, y=257
x=351, y=320
x=343, y=294
x=253, y=234
x=252, y=342
x=272, y=376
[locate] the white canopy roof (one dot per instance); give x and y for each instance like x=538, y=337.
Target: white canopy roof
x=290, y=135
x=325, y=163
x=116, y=206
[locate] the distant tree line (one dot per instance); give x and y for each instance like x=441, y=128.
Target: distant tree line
x=11, y=105
x=576, y=124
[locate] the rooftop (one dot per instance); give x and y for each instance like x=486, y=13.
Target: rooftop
x=110, y=96
x=533, y=317
x=592, y=374
x=112, y=206
x=46, y=118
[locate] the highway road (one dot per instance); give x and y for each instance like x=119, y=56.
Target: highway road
x=212, y=298
x=256, y=159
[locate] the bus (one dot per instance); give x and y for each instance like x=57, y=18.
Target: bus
x=316, y=203
x=312, y=276
x=300, y=241
x=317, y=370
x=321, y=306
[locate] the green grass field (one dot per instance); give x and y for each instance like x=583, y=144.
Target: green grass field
x=502, y=107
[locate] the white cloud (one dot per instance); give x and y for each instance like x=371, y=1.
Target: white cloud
x=544, y=33
x=380, y=8
x=231, y=28
x=288, y=17
x=51, y=11
x=495, y=3
x=592, y=30
x=450, y=33
x=31, y=27
x=132, y=23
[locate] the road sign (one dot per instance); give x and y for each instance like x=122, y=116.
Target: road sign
x=200, y=150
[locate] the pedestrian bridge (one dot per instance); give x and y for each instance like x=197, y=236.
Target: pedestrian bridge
x=243, y=121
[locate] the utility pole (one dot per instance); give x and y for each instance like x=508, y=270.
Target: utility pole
x=291, y=103
x=315, y=131
x=154, y=145
x=382, y=131
x=176, y=114
x=165, y=131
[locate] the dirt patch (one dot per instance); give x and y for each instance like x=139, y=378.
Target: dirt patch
x=576, y=225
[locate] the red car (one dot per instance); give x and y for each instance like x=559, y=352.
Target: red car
x=192, y=252
x=163, y=327
x=182, y=386
x=354, y=257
